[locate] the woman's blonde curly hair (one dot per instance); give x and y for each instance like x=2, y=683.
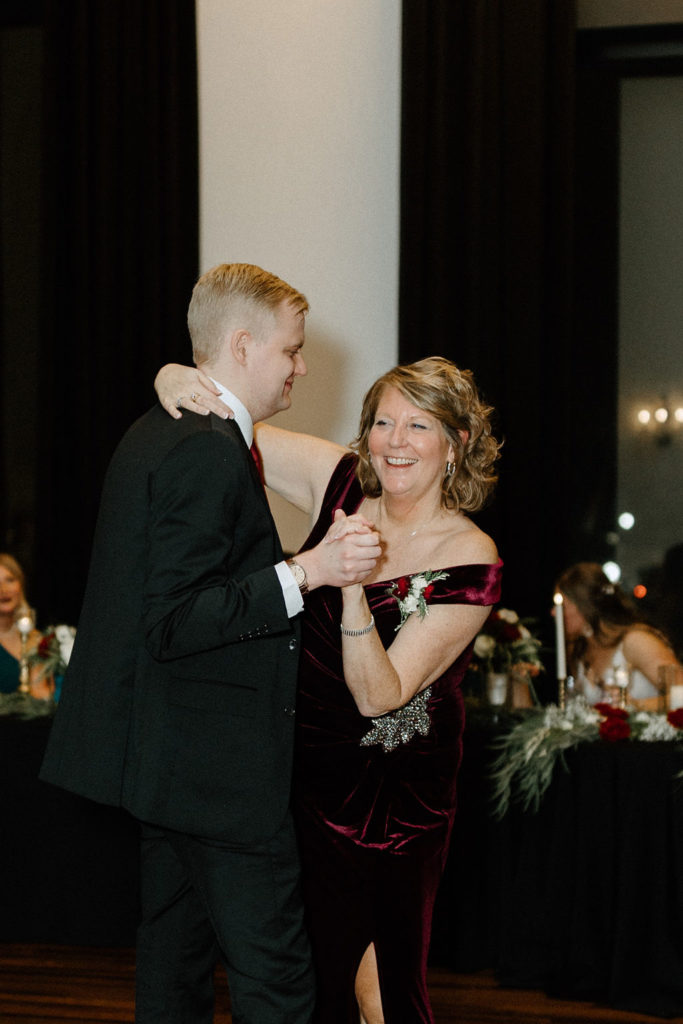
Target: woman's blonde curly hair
x=437, y=386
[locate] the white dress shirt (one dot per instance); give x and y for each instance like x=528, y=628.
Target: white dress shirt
x=294, y=602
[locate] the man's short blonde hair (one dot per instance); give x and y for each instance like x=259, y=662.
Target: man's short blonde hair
x=232, y=296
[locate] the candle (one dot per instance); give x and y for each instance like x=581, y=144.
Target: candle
x=25, y=625
x=622, y=677
x=675, y=697
x=559, y=636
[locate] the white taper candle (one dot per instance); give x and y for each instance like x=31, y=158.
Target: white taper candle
x=561, y=654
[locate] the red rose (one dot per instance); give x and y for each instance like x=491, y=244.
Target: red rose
x=510, y=632
x=610, y=711
x=44, y=645
x=427, y=592
x=675, y=718
x=402, y=587
x=614, y=728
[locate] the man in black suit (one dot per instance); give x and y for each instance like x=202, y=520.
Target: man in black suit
x=179, y=699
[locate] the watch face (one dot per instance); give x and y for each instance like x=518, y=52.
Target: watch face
x=298, y=573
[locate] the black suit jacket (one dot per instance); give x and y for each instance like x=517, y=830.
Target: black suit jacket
x=178, y=700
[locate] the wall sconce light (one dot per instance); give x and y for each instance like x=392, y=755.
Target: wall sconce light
x=662, y=421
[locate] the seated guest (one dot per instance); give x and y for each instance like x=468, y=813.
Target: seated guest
x=12, y=603
x=605, y=633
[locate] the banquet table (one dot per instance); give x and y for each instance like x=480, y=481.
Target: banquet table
x=582, y=899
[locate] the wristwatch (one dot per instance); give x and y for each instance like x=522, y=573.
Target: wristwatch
x=299, y=574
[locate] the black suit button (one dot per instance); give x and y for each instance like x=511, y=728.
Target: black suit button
x=293, y=644
x=289, y=711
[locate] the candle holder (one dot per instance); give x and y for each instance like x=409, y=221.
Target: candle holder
x=25, y=624
x=562, y=693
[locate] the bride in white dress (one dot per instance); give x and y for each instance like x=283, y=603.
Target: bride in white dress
x=606, y=640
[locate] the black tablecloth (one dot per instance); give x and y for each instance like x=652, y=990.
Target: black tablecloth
x=68, y=867
x=584, y=898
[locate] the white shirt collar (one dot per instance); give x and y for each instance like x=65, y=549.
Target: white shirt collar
x=242, y=417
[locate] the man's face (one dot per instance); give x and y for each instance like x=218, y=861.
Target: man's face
x=275, y=361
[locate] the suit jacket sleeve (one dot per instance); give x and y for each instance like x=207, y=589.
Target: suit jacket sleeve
x=208, y=529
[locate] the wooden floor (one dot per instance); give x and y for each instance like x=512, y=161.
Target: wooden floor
x=62, y=984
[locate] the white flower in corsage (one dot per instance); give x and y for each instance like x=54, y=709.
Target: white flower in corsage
x=412, y=593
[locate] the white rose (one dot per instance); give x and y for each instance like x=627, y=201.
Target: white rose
x=410, y=604
x=507, y=615
x=484, y=646
x=65, y=638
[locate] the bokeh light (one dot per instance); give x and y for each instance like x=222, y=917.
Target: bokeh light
x=612, y=571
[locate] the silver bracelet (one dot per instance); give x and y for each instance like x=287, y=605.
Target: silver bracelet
x=359, y=632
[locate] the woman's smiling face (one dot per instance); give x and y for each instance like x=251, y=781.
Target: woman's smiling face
x=408, y=446
x=11, y=595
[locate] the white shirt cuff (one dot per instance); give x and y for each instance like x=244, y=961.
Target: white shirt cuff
x=294, y=602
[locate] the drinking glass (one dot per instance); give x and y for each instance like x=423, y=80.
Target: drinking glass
x=670, y=683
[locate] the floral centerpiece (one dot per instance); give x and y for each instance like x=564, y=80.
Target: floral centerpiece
x=51, y=656
x=53, y=651
x=505, y=643
x=529, y=752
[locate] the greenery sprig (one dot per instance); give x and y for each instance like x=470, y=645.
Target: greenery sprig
x=529, y=752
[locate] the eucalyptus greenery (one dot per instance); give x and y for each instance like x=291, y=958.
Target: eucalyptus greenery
x=23, y=705
x=530, y=750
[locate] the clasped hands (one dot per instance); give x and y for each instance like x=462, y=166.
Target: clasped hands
x=349, y=551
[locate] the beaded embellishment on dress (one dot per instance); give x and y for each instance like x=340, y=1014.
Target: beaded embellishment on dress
x=401, y=725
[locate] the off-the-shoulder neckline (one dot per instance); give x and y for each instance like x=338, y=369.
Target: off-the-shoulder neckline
x=448, y=569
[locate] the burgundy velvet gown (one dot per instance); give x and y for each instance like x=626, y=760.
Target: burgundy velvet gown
x=374, y=799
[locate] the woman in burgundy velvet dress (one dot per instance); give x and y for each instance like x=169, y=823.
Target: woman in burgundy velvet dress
x=380, y=711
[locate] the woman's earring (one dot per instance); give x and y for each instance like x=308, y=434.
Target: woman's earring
x=450, y=468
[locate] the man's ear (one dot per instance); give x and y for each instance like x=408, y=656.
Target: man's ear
x=239, y=345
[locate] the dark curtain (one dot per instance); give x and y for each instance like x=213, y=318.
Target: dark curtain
x=120, y=194
x=488, y=216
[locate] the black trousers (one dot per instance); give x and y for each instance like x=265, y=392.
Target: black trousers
x=203, y=901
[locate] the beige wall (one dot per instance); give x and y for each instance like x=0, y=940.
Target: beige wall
x=299, y=170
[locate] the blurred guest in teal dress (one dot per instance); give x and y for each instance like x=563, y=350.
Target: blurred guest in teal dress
x=12, y=602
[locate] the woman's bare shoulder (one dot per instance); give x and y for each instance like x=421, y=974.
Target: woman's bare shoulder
x=642, y=639
x=468, y=544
